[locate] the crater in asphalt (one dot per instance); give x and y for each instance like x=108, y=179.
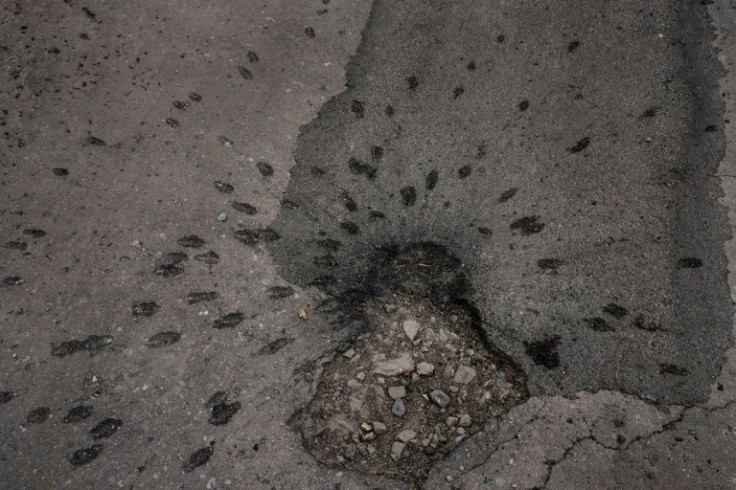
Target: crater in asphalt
x=412, y=386
x=417, y=375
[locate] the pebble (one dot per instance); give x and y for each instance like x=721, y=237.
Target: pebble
x=222, y=217
x=452, y=421
x=397, y=448
x=425, y=369
x=379, y=427
x=366, y=427
x=396, y=392
x=466, y=420
x=370, y=436
x=464, y=375
x=349, y=353
x=411, y=328
x=353, y=384
x=394, y=367
x=398, y=408
x=406, y=435
x=440, y=398
x=360, y=376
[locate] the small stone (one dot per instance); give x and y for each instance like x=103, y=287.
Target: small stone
x=390, y=308
x=222, y=217
x=366, y=427
x=360, y=376
x=425, y=442
x=449, y=372
x=440, y=398
x=353, y=384
x=464, y=375
x=425, y=369
x=369, y=436
x=397, y=448
x=349, y=353
x=466, y=420
x=460, y=431
x=393, y=367
x=411, y=328
x=396, y=392
x=452, y=421
x=379, y=427
x=398, y=408
x=406, y=435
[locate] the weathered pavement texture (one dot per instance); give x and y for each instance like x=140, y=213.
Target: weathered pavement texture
x=180, y=179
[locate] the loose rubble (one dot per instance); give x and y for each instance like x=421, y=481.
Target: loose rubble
x=407, y=391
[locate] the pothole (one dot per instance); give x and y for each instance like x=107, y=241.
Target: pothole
x=410, y=388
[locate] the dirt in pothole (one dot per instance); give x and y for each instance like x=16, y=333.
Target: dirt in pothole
x=408, y=391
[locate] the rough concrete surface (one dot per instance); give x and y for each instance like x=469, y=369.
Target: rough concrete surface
x=201, y=202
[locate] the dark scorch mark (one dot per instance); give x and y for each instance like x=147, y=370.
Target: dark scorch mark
x=38, y=415
x=253, y=237
x=86, y=455
x=145, y=308
x=408, y=195
x=689, y=263
x=527, y=225
x=544, y=352
x=598, y=324
x=77, y=414
x=229, y=320
x=199, y=458
x=275, y=346
x=224, y=187
x=190, y=241
x=200, y=296
x=106, y=428
x=615, y=310
x=162, y=339
x=209, y=258
x=580, y=145
x=92, y=344
x=280, y=292
x=550, y=264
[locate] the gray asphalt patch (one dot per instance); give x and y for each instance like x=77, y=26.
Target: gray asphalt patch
x=540, y=177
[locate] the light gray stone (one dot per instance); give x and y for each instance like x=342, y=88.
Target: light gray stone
x=440, y=398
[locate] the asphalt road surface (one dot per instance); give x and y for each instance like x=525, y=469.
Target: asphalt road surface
x=297, y=244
